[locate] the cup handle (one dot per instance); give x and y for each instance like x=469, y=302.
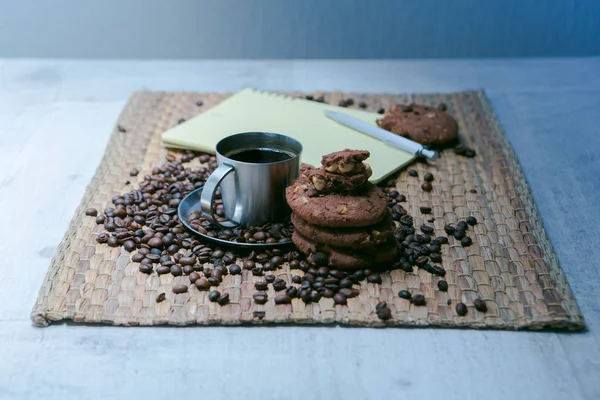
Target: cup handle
x=208, y=194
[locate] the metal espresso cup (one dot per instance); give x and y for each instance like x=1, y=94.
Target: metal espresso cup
x=254, y=170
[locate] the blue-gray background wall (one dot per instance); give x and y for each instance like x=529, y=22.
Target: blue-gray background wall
x=299, y=28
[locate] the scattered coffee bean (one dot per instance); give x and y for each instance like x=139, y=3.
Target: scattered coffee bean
x=362, y=105
x=162, y=270
x=102, y=237
x=323, y=271
x=223, y=299
x=283, y=299
x=134, y=172
x=100, y=219
x=176, y=270
x=449, y=301
x=193, y=277
x=261, y=285
x=180, y=289
x=235, y=269
x=270, y=278
x=315, y=296
x=381, y=111
x=437, y=270
x=129, y=245
x=404, y=294
x=413, y=172
x=473, y=191
x=383, y=311
x=199, y=103
x=349, y=293
x=441, y=239
x=480, y=305
x=418, y=300
x=442, y=286
x=428, y=230
x=421, y=261
x=146, y=268
x=161, y=297
x=188, y=269
x=461, y=309
x=202, y=284
x=260, y=297
x=401, y=198
x=113, y=241
x=319, y=259
x=291, y=291
x=425, y=210
x=462, y=225
x=374, y=278
x=339, y=298
x=471, y=220
x=466, y=241
x=91, y=212
x=449, y=229
x=155, y=242
x=459, y=234
x=296, y=279
x=279, y=284
x=249, y=264
x=428, y=177
x=426, y=186
x=214, y=296
x=257, y=272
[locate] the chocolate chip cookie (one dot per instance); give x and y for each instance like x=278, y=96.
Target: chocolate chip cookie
x=347, y=237
x=346, y=258
x=423, y=124
x=326, y=182
x=365, y=207
x=345, y=162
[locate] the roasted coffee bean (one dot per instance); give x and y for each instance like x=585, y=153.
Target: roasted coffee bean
x=339, y=298
x=393, y=194
x=357, y=276
x=459, y=234
x=461, y=309
x=259, y=236
x=113, y=241
x=381, y=111
x=449, y=301
x=268, y=267
x=291, y=291
x=471, y=220
x=374, y=278
x=431, y=220
x=346, y=283
x=296, y=279
x=129, y=245
x=100, y=219
x=223, y=299
x=161, y=297
x=91, y=212
x=249, y=264
x=319, y=259
x=257, y=272
x=305, y=295
x=235, y=269
x=213, y=281
x=137, y=257
x=155, y=242
x=401, y=198
x=349, y=293
x=406, y=220
x=327, y=293
x=362, y=105
x=279, y=284
x=276, y=261
x=428, y=230
x=449, y=229
x=261, y=285
x=437, y=270
x=435, y=257
x=462, y=225
x=176, y=270
x=480, y=305
x=425, y=210
x=188, y=269
x=442, y=286
x=180, y=289
x=428, y=268
x=323, y=271
x=470, y=153
x=383, y=311
x=418, y=300
x=202, y=284
x=426, y=186
x=434, y=247
x=441, y=240
x=421, y=261
x=134, y=172
x=315, y=296
x=161, y=270
x=413, y=172
x=146, y=268
x=294, y=264
x=428, y=177
x=214, y=296
x=172, y=249
x=404, y=294
x=102, y=237
x=406, y=267
x=270, y=278
x=283, y=299
x=193, y=277
x=466, y=241
x=260, y=297
x=217, y=254
x=187, y=261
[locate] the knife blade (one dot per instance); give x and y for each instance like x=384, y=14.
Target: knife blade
x=386, y=137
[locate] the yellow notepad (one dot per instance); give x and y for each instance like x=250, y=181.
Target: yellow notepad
x=255, y=111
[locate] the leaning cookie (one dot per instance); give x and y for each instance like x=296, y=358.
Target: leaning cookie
x=345, y=162
x=423, y=124
x=336, y=210
x=345, y=258
x=359, y=238
x=326, y=182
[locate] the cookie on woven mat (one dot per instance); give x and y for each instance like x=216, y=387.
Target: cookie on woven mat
x=367, y=236
x=423, y=124
x=326, y=182
x=346, y=162
x=362, y=208
x=345, y=258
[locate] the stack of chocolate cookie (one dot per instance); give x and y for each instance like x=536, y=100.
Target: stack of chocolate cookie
x=340, y=218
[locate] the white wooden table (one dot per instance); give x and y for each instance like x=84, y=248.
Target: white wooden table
x=55, y=120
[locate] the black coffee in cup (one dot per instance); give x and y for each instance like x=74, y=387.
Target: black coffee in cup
x=260, y=156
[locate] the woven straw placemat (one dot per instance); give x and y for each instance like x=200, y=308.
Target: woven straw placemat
x=511, y=265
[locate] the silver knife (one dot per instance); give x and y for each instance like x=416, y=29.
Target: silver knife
x=386, y=137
